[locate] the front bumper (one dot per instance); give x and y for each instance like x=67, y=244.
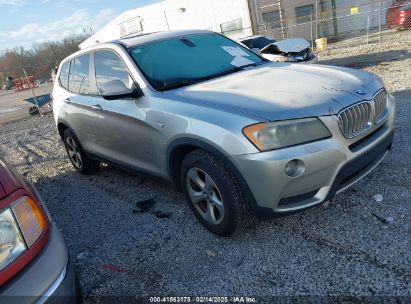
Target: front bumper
x=331, y=166
x=49, y=278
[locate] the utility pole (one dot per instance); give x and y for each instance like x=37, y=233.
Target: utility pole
x=335, y=23
x=54, y=53
x=25, y=75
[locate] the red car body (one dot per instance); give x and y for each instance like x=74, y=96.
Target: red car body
x=42, y=272
x=399, y=15
x=13, y=187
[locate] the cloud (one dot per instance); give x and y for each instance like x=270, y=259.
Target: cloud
x=64, y=3
x=13, y=2
x=56, y=30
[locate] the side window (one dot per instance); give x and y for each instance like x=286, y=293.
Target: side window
x=79, y=79
x=64, y=75
x=110, y=67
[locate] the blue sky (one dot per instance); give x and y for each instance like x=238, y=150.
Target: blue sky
x=26, y=21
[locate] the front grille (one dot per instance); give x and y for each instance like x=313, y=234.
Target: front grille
x=380, y=103
x=355, y=119
x=358, y=118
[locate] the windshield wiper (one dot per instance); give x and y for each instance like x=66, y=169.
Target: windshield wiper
x=232, y=70
x=177, y=83
x=183, y=82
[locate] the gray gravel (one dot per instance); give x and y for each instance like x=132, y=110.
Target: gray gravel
x=358, y=245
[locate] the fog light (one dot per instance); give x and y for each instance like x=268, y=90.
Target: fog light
x=294, y=168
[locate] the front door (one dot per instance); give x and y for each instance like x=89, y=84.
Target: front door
x=122, y=131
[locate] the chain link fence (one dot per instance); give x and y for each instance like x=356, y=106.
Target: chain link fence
x=343, y=27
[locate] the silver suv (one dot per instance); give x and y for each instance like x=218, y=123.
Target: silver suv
x=237, y=134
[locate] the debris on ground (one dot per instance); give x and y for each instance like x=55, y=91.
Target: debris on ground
x=145, y=205
x=378, y=198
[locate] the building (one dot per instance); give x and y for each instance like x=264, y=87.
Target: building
x=313, y=19
x=309, y=19
x=231, y=17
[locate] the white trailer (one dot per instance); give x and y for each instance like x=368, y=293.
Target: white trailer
x=232, y=17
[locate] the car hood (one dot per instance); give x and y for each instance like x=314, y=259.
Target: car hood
x=294, y=45
x=276, y=91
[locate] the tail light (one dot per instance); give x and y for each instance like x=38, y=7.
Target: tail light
x=23, y=233
x=402, y=14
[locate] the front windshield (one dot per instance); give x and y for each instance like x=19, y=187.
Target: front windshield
x=181, y=61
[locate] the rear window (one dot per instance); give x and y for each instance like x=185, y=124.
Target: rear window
x=64, y=75
x=260, y=42
x=79, y=78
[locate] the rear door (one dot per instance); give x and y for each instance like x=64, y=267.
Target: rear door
x=60, y=89
x=122, y=131
x=80, y=106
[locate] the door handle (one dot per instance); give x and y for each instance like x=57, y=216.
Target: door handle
x=67, y=100
x=97, y=107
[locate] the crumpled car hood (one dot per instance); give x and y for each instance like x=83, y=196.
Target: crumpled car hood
x=276, y=91
x=294, y=45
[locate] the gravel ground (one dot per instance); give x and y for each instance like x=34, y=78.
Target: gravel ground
x=356, y=246
x=391, y=60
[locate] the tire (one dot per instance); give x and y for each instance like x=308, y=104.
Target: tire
x=34, y=111
x=214, y=195
x=78, y=158
x=79, y=291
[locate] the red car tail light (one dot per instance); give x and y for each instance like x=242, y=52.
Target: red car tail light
x=24, y=229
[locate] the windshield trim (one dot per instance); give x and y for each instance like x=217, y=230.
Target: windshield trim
x=161, y=89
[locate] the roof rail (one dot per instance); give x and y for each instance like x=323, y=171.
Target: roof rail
x=118, y=41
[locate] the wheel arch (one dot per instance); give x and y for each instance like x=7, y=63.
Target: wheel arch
x=62, y=126
x=180, y=148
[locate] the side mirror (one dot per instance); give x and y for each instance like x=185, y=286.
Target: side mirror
x=116, y=89
x=256, y=51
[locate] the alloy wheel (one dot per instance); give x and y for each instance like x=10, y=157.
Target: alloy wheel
x=205, y=196
x=74, y=152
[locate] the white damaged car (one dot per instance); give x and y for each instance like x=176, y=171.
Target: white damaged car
x=291, y=50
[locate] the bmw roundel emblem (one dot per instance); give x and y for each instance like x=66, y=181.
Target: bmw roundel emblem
x=360, y=92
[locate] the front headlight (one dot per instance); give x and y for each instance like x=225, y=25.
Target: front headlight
x=11, y=241
x=282, y=134
x=21, y=226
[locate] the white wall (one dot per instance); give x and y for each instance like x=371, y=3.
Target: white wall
x=179, y=14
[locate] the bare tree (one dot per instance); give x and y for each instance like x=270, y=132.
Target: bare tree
x=39, y=60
